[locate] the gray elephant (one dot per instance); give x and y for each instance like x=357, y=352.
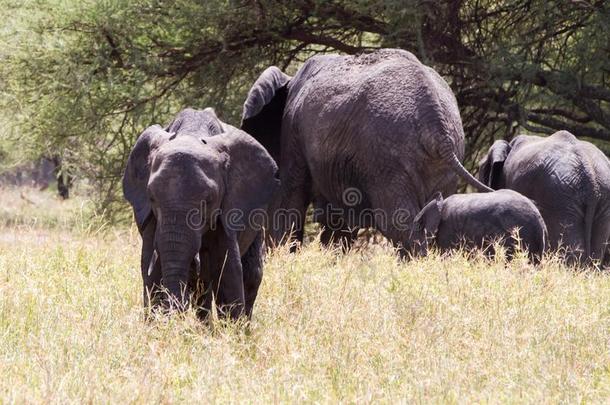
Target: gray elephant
x=380, y=128
x=477, y=220
x=194, y=193
x=568, y=179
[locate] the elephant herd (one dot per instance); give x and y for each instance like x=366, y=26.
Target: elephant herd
x=373, y=140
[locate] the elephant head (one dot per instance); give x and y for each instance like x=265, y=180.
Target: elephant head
x=492, y=165
x=426, y=223
x=186, y=186
x=190, y=120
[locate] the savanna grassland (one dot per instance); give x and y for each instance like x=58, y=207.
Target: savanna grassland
x=328, y=327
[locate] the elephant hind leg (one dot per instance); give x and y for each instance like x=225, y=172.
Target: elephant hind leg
x=600, y=242
x=288, y=217
x=573, y=245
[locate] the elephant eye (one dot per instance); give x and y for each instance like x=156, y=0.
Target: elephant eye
x=204, y=141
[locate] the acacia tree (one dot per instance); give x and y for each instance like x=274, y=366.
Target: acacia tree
x=90, y=76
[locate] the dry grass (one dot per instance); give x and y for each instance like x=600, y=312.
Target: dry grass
x=30, y=209
x=328, y=327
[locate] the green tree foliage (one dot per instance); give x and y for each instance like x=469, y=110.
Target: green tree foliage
x=83, y=78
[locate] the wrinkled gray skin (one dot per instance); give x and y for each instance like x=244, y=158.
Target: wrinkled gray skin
x=184, y=184
x=382, y=123
x=477, y=220
x=568, y=179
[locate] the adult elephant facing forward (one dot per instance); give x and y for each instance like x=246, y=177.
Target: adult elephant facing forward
x=365, y=136
x=568, y=179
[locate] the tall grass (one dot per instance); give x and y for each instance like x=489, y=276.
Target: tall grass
x=328, y=327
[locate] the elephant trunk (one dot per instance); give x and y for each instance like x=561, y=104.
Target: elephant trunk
x=175, y=280
x=420, y=247
x=419, y=242
x=176, y=257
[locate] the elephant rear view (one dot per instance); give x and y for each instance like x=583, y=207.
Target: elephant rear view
x=369, y=137
x=568, y=179
x=477, y=220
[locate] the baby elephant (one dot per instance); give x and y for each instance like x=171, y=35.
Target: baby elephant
x=477, y=220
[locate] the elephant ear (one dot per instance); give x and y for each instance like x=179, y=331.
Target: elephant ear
x=264, y=108
x=251, y=180
x=137, y=172
x=429, y=218
x=492, y=165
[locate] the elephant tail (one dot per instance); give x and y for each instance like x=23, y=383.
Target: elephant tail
x=447, y=151
x=461, y=171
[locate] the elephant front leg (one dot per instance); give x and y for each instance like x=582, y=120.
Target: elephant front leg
x=343, y=237
x=227, y=275
x=203, y=286
x=394, y=219
x=150, y=266
x=252, y=267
